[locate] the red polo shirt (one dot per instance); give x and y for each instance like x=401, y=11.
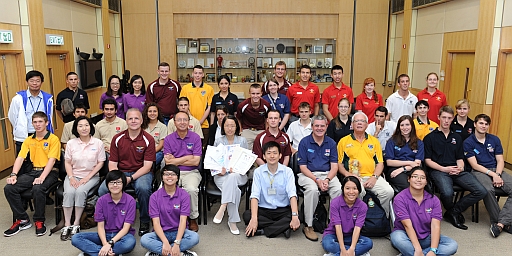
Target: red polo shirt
x=164, y=95
x=332, y=96
x=282, y=139
x=250, y=117
x=435, y=102
x=131, y=154
x=368, y=106
x=297, y=94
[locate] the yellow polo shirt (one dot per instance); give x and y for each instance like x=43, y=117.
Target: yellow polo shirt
x=422, y=129
x=200, y=98
x=41, y=149
x=368, y=153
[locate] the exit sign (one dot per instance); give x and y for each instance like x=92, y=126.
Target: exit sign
x=6, y=37
x=54, y=39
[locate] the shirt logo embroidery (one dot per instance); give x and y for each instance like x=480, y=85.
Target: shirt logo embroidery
x=123, y=212
x=171, y=88
x=190, y=146
x=438, y=98
x=476, y=151
x=203, y=93
x=333, y=96
x=428, y=210
x=327, y=152
x=354, y=216
x=157, y=133
x=430, y=129
x=230, y=102
x=310, y=150
x=370, y=146
x=415, y=151
x=139, y=149
x=176, y=206
x=470, y=130
x=311, y=91
x=45, y=145
x=349, y=145
x=398, y=148
x=454, y=141
x=490, y=148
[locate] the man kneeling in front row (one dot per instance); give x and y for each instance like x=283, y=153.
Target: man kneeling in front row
x=273, y=199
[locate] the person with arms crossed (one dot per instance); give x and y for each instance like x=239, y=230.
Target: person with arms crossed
x=73, y=93
x=164, y=92
x=485, y=155
x=44, y=149
x=133, y=152
x=183, y=149
x=318, y=163
x=272, y=133
x=193, y=124
x=444, y=157
x=381, y=128
x=252, y=113
x=401, y=102
x=422, y=123
x=347, y=216
x=418, y=220
x=111, y=125
x=369, y=100
x=300, y=128
x=224, y=97
x=115, y=215
x=303, y=91
x=334, y=93
x=274, y=208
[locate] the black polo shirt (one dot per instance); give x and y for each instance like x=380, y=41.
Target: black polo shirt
x=445, y=151
x=464, y=131
x=81, y=98
x=230, y=102
x=338, y=133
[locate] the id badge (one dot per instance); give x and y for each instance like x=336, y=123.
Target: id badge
x=272, y=191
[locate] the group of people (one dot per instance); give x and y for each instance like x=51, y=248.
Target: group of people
x=162, y=131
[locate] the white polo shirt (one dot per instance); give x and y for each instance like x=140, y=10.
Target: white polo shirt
x=398, y=106
x=384, y=134
x=296, y=132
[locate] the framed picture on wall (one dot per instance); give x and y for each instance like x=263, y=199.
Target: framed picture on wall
x=219, y=49
x=319, y=49
x=308, y=48
x=269, y=49
x=204, y=47
x=181, y=48
x=210, y=77
x=328, y=48
x=192, y=46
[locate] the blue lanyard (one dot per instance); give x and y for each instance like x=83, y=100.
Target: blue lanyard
x=38, y=104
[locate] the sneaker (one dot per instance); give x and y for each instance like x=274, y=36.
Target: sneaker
x=74, y=230
x=40, y=228
x=365, y=254
x=144, y=228
x=188, y=253
x=17, y=226
x=151, y=254
x=310, y=233
x=507, y=229
x=85, y=254
x=329, y=254
x=495, y=230
x=65, y=233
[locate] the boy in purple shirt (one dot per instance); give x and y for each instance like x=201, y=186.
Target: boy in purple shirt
x=418, y=220
x=115, y=214
x=169, y=208
x=348, y=213
x=183, y=148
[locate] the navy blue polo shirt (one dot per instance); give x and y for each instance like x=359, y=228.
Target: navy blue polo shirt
x=230, y=102
x=463, y=131
x=281, y=104
x=317, y=158
x=485, y=153
x=405, y=153
x=445, y=151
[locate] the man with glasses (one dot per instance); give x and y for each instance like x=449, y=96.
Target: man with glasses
x=183, y=148
x=318, y=164
x=280, y=77
x=133, y=152
x=381, y=128
x=366, y=149
x=193, y=125
x=335, y=92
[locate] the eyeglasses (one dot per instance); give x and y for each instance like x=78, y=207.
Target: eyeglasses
x=418, y=177
x=172, y=174
x=343, y=107
x=359, y=121
x=181, y=120
x=115, y=183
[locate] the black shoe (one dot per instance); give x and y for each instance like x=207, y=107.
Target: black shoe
x=454, y=220
x=144, y=228
x=49, y=200
x=287, y=233
x=495, y=230
x=507, y=228
x=40, y=228
x=17, y=226
x=258, y=232
x=461, y=218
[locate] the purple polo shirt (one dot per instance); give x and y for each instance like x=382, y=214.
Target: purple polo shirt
x=178, y=147
x=132, y=101
x=406, y=207
x=169, y=209
x=347, y=217
x=115, y=215
x=120, y=108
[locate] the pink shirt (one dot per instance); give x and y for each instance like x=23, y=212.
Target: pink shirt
x=84, y=156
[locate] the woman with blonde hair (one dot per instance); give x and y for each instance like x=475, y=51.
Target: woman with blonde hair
x=462, y=124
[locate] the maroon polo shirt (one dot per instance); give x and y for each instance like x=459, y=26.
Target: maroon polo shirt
x=282, y=139
x=131, y=154
x=164, y=95
x=250, y=117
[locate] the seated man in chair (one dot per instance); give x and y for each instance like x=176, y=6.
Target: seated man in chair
x=44, y=149
x=274, y=207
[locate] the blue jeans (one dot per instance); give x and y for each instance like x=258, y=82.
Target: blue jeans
x=465, y=180
x=143, y=189
x=159, y=159
x=90, y=243
x=331, y=244
x=166, y=120
x=153, y=243
x=401, y=242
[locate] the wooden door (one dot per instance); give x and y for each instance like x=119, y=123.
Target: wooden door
x=504, y=122
x=460, y=77
x=55, y=83
x=9, y=81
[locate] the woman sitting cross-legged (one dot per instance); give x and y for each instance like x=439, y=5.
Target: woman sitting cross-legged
x=83, y=159
x=169, y=208
x=418, y=220
x=347, y=214
x=115, y=214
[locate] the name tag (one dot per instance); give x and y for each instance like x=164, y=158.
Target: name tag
x=299, y=92
x=271, y=191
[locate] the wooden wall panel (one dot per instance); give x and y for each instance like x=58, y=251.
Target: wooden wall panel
x=464, y=41
x=94, y=99
x=107, y=51
x=506, y=38
x=17, y=45
x=406, y=37
x=67, y=48
x=37, y=36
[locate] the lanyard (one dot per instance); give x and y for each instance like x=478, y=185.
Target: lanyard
x=273, y=102
x=271, y=180
x=38, y=104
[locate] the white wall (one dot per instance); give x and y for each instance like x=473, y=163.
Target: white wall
x=10, y=12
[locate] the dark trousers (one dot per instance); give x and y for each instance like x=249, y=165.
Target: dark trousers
x=206, y=133
x=24, y=183
x=400, y=181
x=272, y=221
x=465, y=180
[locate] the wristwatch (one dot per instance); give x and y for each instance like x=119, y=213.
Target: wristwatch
x=434, y=250
x=375, y=176
x=177, y=242
x=13, y=174
x=111, y=242
x=405, y=169
x=295, y=214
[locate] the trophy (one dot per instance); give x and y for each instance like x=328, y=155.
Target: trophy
x=353, y=166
